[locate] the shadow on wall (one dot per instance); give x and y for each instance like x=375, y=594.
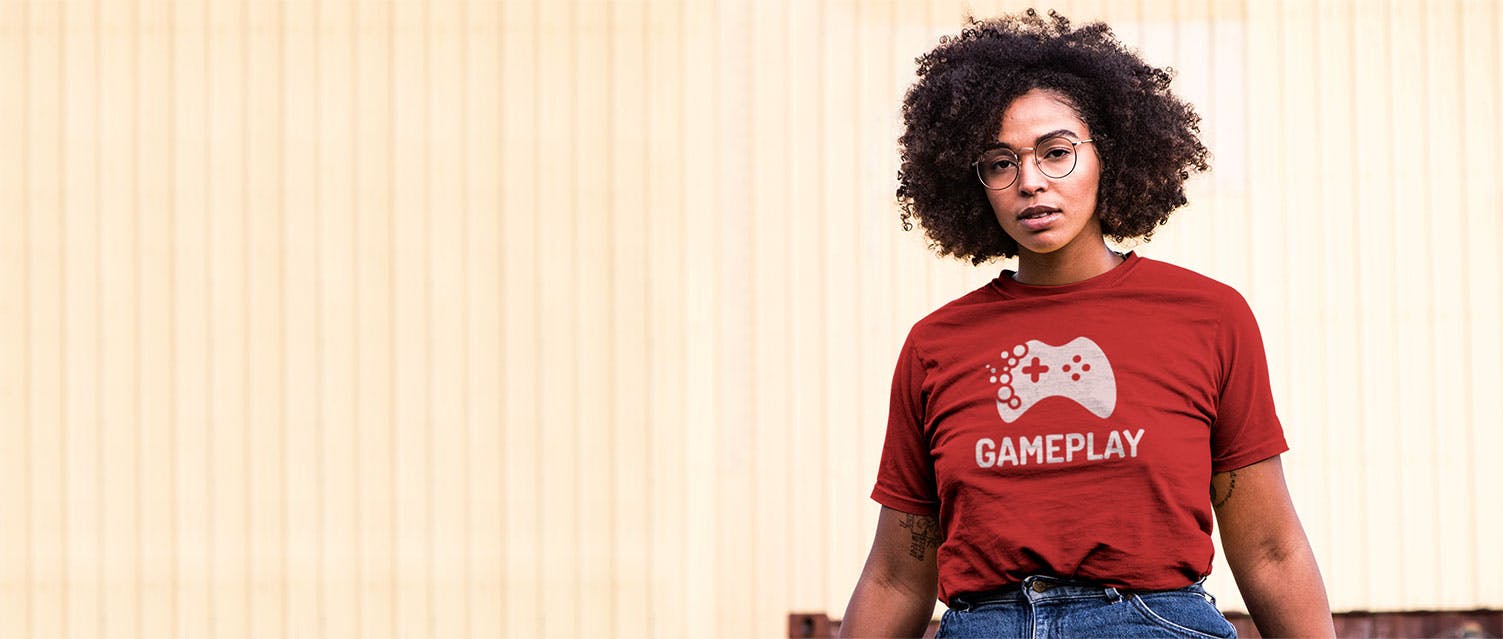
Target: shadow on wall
x=1451, y=624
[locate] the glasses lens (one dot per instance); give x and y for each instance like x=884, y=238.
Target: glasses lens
x=997, y=169
x=1056, y=157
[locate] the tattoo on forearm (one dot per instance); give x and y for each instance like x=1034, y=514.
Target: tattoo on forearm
x=925, y=534
x=1219, y=501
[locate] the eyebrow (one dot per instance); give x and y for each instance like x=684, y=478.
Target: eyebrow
x=1052, y=134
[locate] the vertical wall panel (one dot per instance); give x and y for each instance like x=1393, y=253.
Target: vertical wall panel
x=871, y=162
x=228, y=357
x=412, y=338
x=561, y=205
x=156, y=210
x=668, y=209
x=628, y=150
x=119, y=254
x=335, y=556
x=808, y=504
x=58, y=195
x=446, y=308
x=375, y=309
x=1343, y=467
x=734, y=267
x=485, y=591
x=1482, y=107
x=1411, y=46
x=838, y=218
x=768, y=233
x=1447, y=222
x=1377, y=269
x=1230, y=141
x=578, y=318
x=18, y=584
x=701, y=425
x=188, y=242
x=1300, y=190
x=521, y=305
x=593, y=299
x=302, y=329
x=266, y=331
x=1301, y=126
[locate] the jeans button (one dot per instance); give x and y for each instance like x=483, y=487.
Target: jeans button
x=1039, y=586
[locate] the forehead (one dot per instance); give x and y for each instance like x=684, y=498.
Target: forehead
x=1038, y=113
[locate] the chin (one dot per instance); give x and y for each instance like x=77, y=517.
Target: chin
x=1041, y=246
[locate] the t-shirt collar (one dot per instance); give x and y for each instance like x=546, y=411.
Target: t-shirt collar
x=1009, y=287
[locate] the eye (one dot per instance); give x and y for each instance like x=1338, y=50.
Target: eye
x=1058, y=152
x=999, y=164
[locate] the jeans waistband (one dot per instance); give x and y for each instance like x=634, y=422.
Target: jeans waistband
x=1041, y=588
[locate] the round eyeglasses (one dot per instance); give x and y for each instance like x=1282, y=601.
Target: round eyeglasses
x=1055, y=157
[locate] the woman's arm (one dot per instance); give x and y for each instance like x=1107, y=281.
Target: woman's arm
x=895, y=595
x=1268, y=552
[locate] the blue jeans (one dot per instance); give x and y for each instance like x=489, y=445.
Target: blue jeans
x=1050, y=607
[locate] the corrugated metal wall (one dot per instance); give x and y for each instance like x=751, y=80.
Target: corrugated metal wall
x=577, y=318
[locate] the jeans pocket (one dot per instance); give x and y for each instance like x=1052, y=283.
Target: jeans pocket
x=1186, y=613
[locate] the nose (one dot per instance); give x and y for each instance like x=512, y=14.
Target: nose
x=1031, y=179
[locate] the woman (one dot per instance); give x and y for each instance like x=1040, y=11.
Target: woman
x=1059, y=439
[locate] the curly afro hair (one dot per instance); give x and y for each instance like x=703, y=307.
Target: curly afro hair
x=1146, y=137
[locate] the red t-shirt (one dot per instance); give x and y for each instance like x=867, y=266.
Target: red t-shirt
x=1072, y=430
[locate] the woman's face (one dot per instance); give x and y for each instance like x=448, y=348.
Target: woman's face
x=1045, y=214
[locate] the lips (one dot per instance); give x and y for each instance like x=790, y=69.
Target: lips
x=1037, y=211
x=1038, y=218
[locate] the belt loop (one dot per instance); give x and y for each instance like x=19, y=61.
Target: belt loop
x=1035, y=585
x=1112, y=595
x=962, y=605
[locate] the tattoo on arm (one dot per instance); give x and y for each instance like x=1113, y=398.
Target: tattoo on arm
x=925, y=534
x=1218, y=501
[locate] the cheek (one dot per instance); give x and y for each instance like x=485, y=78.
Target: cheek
x=1089, y=189
x=1088, y=192
x=998, y=200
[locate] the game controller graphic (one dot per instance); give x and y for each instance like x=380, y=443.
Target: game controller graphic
x=1034, y=370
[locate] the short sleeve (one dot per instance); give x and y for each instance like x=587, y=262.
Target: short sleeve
x=905, y=478
x=1247, y=428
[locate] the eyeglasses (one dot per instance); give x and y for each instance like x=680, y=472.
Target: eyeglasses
x=1055, y=157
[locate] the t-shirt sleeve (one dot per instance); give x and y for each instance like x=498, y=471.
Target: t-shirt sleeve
x=905, y=478
x=1247, y=428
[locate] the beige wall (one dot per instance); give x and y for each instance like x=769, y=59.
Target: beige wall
x=577, y=318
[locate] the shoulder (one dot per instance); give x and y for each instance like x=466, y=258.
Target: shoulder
x=1236, y=332
x=1163, y=275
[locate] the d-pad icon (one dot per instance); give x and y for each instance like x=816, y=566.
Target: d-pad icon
x=1035, y=369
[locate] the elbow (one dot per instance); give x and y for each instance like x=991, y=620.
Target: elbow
x=906, y=586
x=1278, y=551
x=1272, y=558
x=1273, y=551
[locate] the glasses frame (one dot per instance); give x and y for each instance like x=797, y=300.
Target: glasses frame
x=1074, y=146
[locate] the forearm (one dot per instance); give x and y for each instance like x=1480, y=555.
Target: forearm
x=1268, y=552
x=896, y=592
x=1285, y=594
x=882, y=610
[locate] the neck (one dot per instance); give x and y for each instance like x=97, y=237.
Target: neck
x=1068, y=265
